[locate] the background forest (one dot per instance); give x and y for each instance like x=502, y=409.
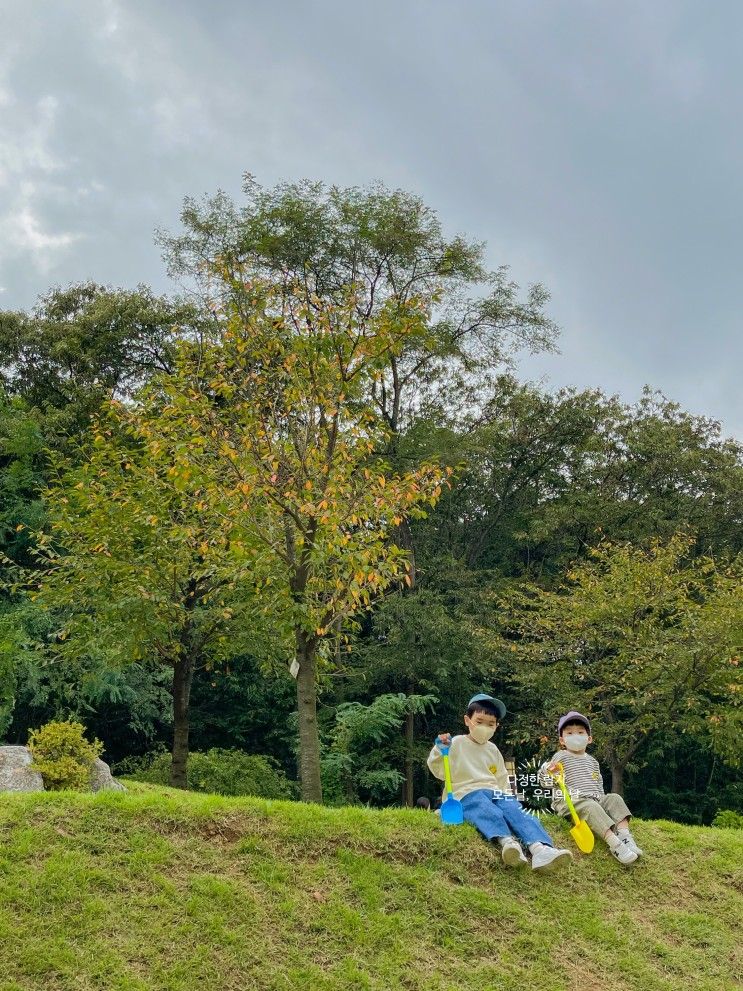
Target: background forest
x=270, y=534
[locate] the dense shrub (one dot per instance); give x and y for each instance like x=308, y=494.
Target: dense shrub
x=63, y=756
x=728, y=819
x=225, y=772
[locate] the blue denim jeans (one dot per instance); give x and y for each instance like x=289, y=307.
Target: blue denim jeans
x=501, y=817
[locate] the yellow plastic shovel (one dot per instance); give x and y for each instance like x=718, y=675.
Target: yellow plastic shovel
x=581, y=831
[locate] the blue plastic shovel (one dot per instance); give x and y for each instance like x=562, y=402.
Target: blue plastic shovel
x=451, y=808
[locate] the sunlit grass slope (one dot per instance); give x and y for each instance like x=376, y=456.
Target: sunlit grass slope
x=159, y=889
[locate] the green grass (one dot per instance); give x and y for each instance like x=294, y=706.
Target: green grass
x=163, y=890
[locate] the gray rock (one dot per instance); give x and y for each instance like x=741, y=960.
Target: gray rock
x=15, y=771
x=101, y=778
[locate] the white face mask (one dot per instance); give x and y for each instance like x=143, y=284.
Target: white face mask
x=481, y=733
x=576, y=742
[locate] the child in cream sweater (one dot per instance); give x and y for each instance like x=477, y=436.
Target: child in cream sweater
x=480, y=782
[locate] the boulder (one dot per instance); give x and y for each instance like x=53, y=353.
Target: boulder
x=15, y=771
x=101, y=778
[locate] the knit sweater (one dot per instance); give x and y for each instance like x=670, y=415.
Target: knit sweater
x=472, y=766
x=582, y=778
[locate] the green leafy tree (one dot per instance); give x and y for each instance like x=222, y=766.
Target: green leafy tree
x=546, y=476
x=364, y=758
x=526, y=455
x=59, y=363
x=419, y=642
x=135, y=569
x=277, y=415
x=86, y=344
x=650, y=469
x=391, y=247
x=645, y=640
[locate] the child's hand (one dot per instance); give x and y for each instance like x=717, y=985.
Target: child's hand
x=444, y=739
x=553, y=768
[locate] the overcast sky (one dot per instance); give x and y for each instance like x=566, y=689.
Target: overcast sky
x=595, y=146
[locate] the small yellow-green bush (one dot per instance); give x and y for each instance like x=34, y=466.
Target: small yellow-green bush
x=63, y=756
x=728, y=819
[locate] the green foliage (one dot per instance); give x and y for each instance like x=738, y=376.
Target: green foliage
x=276, y=419
x=242, y=706
x=645, y=639
x=21, y=624
x=22, y=478
x=359, y=761
x=219, y=771
x=545, y=476
x=391, y=246
x=129, y=706
x=181, y=527
x=134, y=567
x=677, y=775
x=63, y=756
x=727, y=819
x=10, y=640
x=84, y=344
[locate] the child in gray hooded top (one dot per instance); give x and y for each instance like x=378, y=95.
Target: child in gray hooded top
x=607, y=815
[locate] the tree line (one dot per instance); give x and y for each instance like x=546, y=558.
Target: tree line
x=308, y=507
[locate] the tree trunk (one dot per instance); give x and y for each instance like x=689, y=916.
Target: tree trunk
x=617, y=778
x=408, y=787
x=309, y=740
x=182, y=678
x=403, y=537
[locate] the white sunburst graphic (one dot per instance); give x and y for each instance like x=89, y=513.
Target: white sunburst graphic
x=535, y=797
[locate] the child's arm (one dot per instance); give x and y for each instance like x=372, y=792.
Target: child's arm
x=546, y=770
x=436, y=758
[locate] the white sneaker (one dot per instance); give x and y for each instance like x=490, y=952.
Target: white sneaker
x=624, y=853
x=631, y=842
x=512, y=855
x=550, y=858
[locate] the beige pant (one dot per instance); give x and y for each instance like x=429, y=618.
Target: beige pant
x=602, y=813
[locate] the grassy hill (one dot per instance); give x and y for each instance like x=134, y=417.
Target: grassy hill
x=163, y=890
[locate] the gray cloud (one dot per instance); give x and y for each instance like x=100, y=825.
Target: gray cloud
x=594, y=147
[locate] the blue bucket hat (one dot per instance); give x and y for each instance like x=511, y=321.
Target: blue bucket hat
x=496, y=703
x=573, y=717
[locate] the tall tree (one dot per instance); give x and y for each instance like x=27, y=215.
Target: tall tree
x=547, y=475
x=391, y=247
x=646, y=640
x=135, y=569
x=277, y=414
x=86, y=344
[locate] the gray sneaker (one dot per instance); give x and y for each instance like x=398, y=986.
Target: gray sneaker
x=624, y=853
x=550, y=858
x=512, y=855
